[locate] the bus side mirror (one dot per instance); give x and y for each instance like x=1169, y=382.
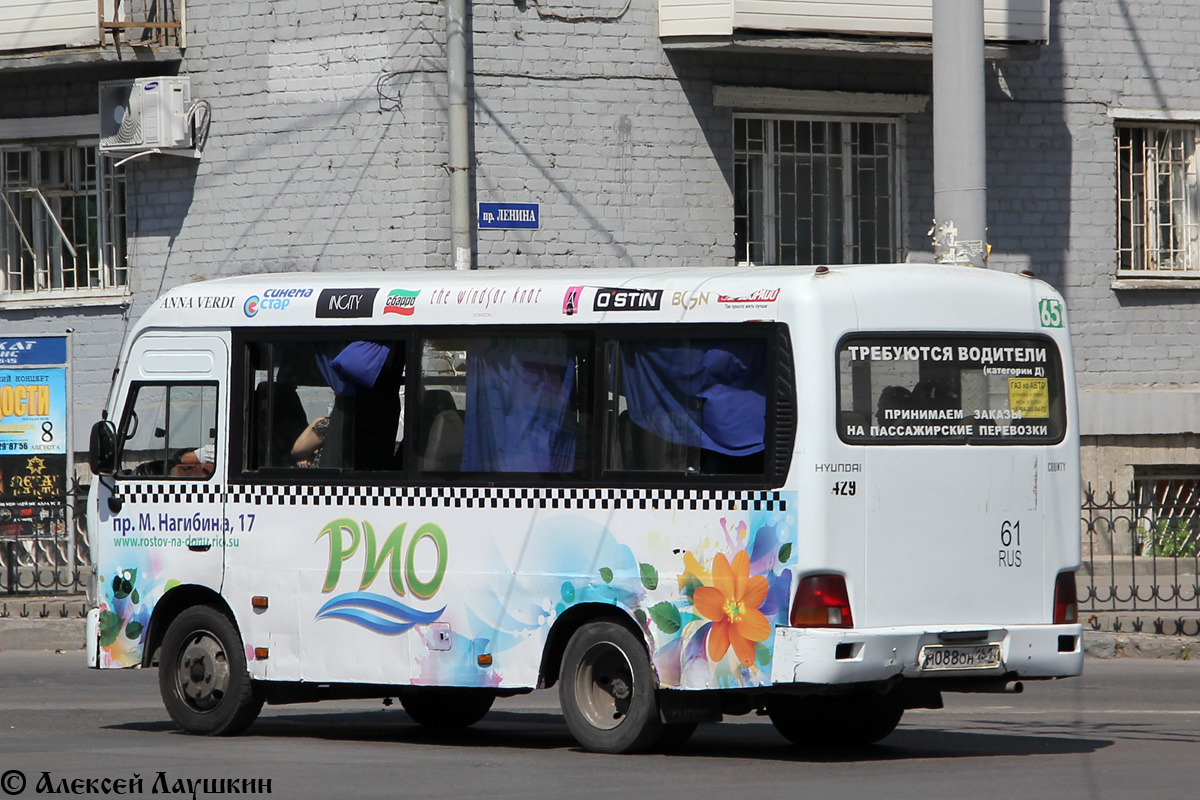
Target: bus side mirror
x=102, y=449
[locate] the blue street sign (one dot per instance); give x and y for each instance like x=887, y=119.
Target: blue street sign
x=509, y=215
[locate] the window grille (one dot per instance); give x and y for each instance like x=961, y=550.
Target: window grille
x=1167, y=513
x=1158, y=228
x=815, y=191
x=62, y=221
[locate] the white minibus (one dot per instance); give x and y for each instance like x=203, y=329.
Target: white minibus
x=827, y=494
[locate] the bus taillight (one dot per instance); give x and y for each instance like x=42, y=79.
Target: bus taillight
x=822, y=602
x=1066, y=601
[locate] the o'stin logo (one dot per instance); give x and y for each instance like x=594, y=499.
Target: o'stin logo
x=251, y=306
x=401, y=301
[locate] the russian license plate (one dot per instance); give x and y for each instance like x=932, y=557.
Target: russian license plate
x=946, y=656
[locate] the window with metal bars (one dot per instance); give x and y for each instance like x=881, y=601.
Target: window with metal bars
x=815, y=191
x=1158, y=224
x=1167, y=511
x=62, y=221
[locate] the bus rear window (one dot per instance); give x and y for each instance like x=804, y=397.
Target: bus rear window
x=950, y=389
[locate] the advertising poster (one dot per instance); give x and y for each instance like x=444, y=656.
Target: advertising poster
x=33, y=437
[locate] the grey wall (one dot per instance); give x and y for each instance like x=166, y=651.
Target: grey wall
x=327, y=145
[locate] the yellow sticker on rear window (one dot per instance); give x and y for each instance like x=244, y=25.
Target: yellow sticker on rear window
x=1030, y=396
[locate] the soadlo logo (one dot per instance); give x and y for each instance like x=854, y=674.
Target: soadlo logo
x=401, y=301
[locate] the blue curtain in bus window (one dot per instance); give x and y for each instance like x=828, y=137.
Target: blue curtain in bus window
x=520, y=414
x=706, y=394
x=350, y=368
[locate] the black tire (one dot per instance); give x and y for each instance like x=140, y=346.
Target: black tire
x=835, y=722
x=607, y=690
x=202, y=675
x=444, y=709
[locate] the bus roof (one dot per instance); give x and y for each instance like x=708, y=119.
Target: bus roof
x=555, y=296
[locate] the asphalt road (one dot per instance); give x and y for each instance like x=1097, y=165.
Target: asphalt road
x=1129, y=729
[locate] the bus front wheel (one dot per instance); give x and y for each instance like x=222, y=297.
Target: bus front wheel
x=202, y=675
x=835, y=722
x=606, y=690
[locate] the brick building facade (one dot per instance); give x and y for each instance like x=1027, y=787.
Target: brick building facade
x=325, y=149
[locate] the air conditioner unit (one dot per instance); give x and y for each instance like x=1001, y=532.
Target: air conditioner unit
x=145, y=114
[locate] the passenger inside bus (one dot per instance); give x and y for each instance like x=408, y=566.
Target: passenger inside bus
x=359, y=431
x=278, y=405
x=196, y=463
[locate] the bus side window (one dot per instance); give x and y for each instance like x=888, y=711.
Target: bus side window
x=504, y=404
x=688, y=406
x=169, y=431
x=327, y=404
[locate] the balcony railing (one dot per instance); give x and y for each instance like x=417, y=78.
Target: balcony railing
x=153, y=23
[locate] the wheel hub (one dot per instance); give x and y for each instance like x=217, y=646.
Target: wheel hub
x=203, y=674
x=604, y=685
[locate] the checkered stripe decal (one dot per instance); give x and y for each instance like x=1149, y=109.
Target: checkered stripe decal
x=455, y=497
x=170, y=492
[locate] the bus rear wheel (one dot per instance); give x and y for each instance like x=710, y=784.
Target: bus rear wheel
x=606, y=690
x=835, y=722
x=444, y=709
x=202, y=675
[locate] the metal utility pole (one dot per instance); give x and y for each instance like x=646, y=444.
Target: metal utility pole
x=959, y=134
x=458, y=135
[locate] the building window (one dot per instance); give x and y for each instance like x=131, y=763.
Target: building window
x=1167, y=511
x=62, y=221
x=815, y=191
x=1157, y=200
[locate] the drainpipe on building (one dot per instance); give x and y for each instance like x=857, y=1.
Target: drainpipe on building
x=458, y=135
x=959, y=134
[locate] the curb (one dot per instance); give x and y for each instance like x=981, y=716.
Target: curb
x=1140, y=645
x=33, y=633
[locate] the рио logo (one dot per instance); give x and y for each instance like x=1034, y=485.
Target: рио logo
x=375, y=612
x=251, y=306
x=401, y=301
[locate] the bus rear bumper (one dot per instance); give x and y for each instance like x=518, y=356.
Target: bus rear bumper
x=835, y=656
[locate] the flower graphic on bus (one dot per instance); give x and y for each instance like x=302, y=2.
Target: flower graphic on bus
x=727, y=604
x=127, y=600
x=733, y=603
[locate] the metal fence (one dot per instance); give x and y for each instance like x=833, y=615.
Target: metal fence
x=1141, y=556
x=53, y=562
x=1141, y=553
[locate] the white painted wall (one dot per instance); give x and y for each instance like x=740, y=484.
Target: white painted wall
x=1004, y=20
x=28, y=24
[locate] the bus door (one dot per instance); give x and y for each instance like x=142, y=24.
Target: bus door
x=316, y=567
x=170, y=527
